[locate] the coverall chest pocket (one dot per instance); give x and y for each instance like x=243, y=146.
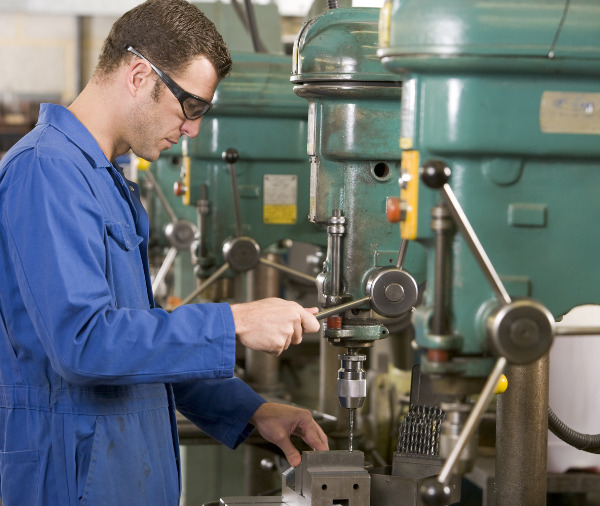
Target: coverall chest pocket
x=124, y=270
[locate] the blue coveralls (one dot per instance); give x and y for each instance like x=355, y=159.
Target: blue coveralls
x=90, y=370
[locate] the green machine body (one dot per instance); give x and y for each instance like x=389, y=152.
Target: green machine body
x=505, y=97
x=244, y=180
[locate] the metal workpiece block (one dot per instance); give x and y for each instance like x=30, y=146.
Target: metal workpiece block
x=248, y=501
x=326, y=478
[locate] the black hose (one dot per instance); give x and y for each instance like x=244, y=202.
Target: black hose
x=332, y=4
x=587, y=442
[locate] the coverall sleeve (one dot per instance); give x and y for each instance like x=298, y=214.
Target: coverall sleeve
x=220, y=407
x=56, y=233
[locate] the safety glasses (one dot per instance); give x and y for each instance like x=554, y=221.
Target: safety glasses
x=193, y=107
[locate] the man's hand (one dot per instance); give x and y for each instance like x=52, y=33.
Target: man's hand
x=277, y=422
x=271, y=325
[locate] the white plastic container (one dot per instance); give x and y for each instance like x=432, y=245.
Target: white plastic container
x=574, y=396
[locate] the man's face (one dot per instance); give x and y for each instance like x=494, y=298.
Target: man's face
x=159, y=122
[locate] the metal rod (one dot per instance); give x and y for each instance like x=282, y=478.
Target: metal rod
x=164, y=268
x=473, y=242
x=439, y=222
x=287, y=270
x=402, y=253
x=335, y=235
x=257, y=43
x=202, y=210
x=209, y=281
x=472, y=421
x=236, y=200
x=522, y=436
x=342, y=307
x=161, y=196
x=559, y=330
x=241, y=14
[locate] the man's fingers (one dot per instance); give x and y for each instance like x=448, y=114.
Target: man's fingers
x=309, y=322
x=297, y=336
x=291, y=453
x=314, y=437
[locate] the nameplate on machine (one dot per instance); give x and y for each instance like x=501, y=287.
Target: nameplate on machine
x=563, y=112
x=280, y=199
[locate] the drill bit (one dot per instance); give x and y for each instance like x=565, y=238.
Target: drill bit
x=351, y=431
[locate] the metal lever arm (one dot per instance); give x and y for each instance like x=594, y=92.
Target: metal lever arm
x=521, y=330
x=287, y=270
x=231, y=156
x=209, y=281
x=164, y=268
x=342, y=307
x=161, y=196
x=435, y=491
x=473, y=420
x=436, y=175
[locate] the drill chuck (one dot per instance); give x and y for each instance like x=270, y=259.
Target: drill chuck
x=352, y=381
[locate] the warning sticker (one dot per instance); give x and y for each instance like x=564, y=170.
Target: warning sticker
x=280, y=201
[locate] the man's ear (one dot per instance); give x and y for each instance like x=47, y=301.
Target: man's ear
x=139, y=76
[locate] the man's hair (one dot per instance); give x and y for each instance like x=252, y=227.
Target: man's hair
x=170, y=33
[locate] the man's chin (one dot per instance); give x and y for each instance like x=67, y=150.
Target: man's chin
x=149, y=157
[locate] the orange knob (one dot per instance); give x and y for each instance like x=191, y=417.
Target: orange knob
x=393, y=209
x=179, y=188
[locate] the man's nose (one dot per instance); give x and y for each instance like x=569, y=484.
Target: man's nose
x=191, y=127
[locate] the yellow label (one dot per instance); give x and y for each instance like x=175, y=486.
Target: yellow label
x=187, y=180
x=280, y=214
x=280, y=199
x=410, y=194
x=384, y=24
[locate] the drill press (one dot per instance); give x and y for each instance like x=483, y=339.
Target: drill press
x=353, y=124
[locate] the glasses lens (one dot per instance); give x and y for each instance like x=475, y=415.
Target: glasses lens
x=195, y=108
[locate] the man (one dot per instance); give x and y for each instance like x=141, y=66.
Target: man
x=91, y=370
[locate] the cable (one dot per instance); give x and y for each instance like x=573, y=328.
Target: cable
x=587, y=442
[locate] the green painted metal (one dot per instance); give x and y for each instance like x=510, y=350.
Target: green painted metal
x=340, y=45
x=507, y=94
x=354, y=123
x=523, y=36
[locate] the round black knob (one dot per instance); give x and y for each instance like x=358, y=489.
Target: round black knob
x=434, y=493
x=435, y=173
x=230, y=155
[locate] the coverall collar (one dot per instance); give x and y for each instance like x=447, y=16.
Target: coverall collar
x=63, y=120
